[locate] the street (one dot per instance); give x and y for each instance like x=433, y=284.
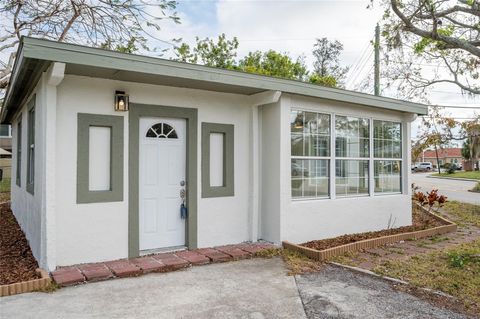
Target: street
x=453, y=189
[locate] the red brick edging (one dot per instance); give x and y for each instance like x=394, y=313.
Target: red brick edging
x=27, y=286
x=164, y=262
x=325, y=254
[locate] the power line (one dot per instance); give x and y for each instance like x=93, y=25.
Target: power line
x=361, y=68
x=353, y=70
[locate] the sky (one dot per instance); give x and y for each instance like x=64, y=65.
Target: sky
x=292, y=26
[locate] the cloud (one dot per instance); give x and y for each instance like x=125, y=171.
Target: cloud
x=292, y=26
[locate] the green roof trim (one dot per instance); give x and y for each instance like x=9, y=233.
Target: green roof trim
x=34, y=56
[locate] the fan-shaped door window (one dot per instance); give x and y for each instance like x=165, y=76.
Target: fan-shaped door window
x=161, y=130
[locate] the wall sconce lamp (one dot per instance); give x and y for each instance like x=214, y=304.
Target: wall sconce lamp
x=121, y=101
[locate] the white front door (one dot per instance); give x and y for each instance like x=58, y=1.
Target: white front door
x=162, y=173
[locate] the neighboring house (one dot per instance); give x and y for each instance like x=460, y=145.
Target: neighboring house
x=251, y=157
x=6, y=137
x=446, y=155
x=5, y=151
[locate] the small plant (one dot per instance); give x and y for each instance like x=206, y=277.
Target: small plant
x=391, y=221
x=430, y=199
x=460, y=259
x=476, y=188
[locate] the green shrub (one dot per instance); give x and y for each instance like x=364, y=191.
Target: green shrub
x=476, y=188
x=451, y=169
x=460, y=259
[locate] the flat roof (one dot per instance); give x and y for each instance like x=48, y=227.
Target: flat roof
x=35, y=55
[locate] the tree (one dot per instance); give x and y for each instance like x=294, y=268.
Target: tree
x=220, y=54
x=327, y=61
x=274, y=63
x=323, y=80
x=439, y=131
x=466, y=149
x=440, y=36
x=112, y=24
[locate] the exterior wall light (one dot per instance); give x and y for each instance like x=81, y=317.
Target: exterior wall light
x=121, y=101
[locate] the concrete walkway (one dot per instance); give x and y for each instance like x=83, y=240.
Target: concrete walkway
x=248, y=289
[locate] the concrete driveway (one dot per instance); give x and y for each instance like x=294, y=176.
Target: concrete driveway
x=249, y=289
x=453, y=189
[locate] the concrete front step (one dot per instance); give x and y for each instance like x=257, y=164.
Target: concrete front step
x=165, y=262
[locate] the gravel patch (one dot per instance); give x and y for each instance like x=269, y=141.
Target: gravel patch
x=340, y=293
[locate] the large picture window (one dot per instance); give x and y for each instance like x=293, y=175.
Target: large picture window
x=367, y=155
x=310, y=163
x=352, y=146
x=387, y=145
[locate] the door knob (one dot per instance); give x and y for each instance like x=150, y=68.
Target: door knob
x=182, y=183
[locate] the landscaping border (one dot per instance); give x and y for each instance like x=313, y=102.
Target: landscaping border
x=325, y=254
x=27, y=286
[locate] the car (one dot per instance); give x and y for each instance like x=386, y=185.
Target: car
x=422, y=167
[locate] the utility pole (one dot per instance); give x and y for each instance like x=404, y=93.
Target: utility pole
x=377, y=60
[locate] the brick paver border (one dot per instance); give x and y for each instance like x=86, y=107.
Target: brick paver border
x=27, y=286
x=164, y=262
x=326, y=254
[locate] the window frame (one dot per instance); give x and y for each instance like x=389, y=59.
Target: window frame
x=228, y=188
x=328, y=158
x=370, y=159
x=9, y=129
x=356, y=158
x=19, y=142
x=115, y=123
x=399, y=159
x=31, y=118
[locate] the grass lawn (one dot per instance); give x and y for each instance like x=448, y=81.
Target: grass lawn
x=455, y=271
x=463, y=213
x=5, y=185
x=470, y=175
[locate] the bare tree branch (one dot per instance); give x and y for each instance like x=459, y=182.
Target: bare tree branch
x=121, y=25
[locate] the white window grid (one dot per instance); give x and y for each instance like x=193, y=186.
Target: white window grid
x=308, y=157
x=371, y=159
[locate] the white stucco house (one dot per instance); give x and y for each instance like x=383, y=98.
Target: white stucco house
x=107, y=146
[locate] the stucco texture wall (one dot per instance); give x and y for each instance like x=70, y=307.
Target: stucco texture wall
x=99, y=231
x=26, y=207
x=304, y=220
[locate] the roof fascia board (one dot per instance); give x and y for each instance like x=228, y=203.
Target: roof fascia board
x=13, y=80
x=76, y=54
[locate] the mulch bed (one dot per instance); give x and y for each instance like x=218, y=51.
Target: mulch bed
x=421, y=221
x=16, y=260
